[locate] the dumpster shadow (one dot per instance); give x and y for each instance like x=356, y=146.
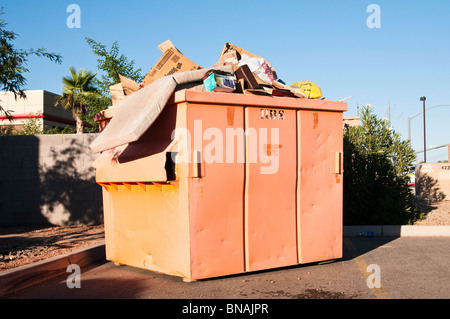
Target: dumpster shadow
x=132, y=284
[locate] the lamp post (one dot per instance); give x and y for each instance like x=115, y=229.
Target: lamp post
x=410, y=118
x=423, y=98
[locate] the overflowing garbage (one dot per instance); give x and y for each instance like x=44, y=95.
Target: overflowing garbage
x=236, y=71
x=250, y=74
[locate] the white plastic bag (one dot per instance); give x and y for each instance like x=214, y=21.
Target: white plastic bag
x=259, y=67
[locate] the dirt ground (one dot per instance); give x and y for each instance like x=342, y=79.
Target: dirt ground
x=25, y=245
x=437, y=213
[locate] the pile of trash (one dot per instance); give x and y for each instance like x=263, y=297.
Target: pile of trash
x=236, y=71
x=250, y=74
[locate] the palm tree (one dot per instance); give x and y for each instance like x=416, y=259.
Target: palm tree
x=76, y=90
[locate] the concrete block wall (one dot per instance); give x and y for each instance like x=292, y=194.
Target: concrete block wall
x=48, y=179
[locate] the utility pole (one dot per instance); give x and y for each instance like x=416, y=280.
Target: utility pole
x=423, y=98
x=389, y=112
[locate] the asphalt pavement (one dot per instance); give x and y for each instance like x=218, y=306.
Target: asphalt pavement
x=371, y=268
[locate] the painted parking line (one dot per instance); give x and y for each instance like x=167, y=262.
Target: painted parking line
x=367, y=273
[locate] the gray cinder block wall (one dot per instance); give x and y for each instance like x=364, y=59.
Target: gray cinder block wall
x=48, y=180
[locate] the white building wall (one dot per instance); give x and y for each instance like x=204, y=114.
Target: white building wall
x=37, y=102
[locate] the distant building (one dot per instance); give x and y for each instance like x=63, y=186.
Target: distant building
x=351, y=120
x=38, y=105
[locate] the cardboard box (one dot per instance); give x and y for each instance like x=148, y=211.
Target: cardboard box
x=229, y=58
x=172, y=61
x=117, y=94
x=230, y=47
x=129, y=86
x=219, y=83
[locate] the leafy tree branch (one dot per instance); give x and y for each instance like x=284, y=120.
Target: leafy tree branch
x=13, y=64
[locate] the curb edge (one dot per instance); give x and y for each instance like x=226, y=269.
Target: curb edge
x=26, y=276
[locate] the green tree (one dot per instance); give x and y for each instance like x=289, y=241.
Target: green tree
x=77, y=89
x=377, y=164
x=111, y=63
x=33, y=126
x=13, y=63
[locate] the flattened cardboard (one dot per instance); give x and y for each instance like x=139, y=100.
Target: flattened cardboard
x=244, y=73
x=230, y=47
x=229, y=58
x=172, y=61
x=166, y=45
x=281, y=92
x=258, y=91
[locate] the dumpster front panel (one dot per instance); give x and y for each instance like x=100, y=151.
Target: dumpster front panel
x=270, y=215
x=320, y=185
x=216, y=190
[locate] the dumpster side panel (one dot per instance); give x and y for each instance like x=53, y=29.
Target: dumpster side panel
x=320, y=185
x=270, y=215
x=148, y=228
x=146, y=220
x=216, y=190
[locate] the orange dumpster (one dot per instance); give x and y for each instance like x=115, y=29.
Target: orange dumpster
x=223, y=184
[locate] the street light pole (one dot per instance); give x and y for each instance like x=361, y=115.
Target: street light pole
x=409, y=129
x=423, y=98
x=410, y=118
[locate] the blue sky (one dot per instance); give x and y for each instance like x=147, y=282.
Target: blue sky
x=326, y=42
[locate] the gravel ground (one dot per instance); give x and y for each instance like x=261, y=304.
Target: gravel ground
x=437, y=213
x=25, y=245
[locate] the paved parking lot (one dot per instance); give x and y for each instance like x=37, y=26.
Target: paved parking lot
x=371, y=268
